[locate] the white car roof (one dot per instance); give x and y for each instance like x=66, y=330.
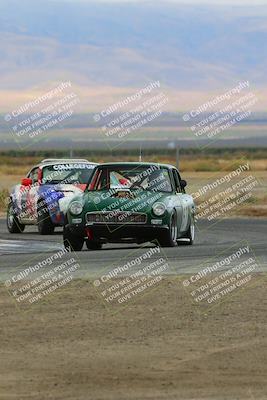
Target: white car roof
x=52, y=161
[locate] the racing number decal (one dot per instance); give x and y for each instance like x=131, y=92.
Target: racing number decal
x=30, y=203
x=23, y=202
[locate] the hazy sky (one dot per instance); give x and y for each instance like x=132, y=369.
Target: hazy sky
x=212, y=2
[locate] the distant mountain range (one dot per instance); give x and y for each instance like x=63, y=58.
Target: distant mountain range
x=109, y=49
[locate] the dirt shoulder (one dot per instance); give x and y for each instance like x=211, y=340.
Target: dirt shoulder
x=160, y=347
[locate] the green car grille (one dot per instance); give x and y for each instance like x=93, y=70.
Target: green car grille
x=116, y=217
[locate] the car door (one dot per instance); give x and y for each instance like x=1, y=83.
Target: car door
x=184, y=200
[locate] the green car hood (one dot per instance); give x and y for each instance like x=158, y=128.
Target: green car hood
x=141, y=201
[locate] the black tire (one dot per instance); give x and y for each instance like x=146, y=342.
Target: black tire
x=169, y=238
x=13, y=224
x=190, y=234
x=93, y=245
x=44, y=223
x=72, y=242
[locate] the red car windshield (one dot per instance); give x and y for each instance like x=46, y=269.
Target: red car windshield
x=70, y=173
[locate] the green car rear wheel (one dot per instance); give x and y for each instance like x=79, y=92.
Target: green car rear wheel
x=190, y=235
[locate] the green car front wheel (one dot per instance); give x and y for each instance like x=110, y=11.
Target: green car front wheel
x=169, y=238
x=72, y=242
x=93, y=245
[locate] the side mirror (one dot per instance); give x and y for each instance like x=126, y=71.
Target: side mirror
x=26, y=182
x=183, y=183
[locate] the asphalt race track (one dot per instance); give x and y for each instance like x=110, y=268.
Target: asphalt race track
x=212, y=240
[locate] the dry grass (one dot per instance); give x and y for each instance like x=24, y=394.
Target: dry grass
x=198, y=170
x=214, y=164
x=3, y=199
x=253, y=211
x=21, y=165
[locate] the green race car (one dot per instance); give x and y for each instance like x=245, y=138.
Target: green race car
x=131, y=203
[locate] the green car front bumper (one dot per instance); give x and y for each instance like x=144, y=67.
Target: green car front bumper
x=135, y=233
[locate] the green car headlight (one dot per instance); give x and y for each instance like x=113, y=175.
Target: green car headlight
x=76, y=208
x=159, y=209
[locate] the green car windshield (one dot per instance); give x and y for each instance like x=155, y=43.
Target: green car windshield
x=150, y=178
